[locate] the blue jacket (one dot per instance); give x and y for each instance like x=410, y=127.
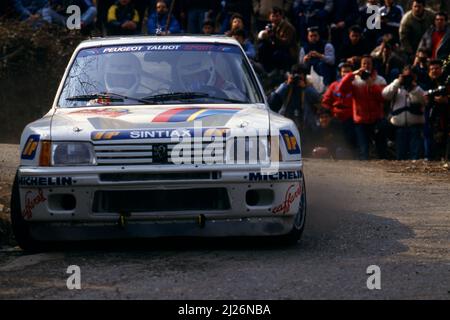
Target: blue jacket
x=298, y=106
x=25, y=8
x=249, y=49
x=155, y=22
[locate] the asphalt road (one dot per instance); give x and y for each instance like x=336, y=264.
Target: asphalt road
x=393, y=215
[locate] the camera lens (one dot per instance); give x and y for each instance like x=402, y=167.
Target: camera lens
x=365, y=75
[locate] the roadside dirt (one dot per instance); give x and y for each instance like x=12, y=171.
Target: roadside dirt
x=9, y=160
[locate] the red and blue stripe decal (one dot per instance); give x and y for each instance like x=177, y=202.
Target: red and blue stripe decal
x=191, y=114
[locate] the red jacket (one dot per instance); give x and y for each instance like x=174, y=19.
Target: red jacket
x=339, y=104
x=368, y=103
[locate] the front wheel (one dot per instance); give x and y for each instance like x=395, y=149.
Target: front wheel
x=21, y=227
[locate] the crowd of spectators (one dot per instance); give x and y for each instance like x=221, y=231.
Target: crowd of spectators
x=355, y=89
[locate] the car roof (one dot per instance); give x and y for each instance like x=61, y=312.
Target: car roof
x=123, y=40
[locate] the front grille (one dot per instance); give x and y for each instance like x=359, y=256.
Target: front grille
x=140, y=154
x=136, y=177
x=129, y=201
x=117, y=154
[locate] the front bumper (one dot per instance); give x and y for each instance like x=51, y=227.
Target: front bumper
x=39, y=187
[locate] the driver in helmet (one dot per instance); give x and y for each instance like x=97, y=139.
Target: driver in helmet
x=122, y=74
x=199, y=73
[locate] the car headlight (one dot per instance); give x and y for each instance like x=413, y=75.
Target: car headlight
x=72, y=153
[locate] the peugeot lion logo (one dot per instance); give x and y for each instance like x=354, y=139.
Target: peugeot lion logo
x=159, y=153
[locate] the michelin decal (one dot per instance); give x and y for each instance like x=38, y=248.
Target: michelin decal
x=46, y=181
x=277, y=176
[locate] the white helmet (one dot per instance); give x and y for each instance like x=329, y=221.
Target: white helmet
x=195, y=71
x=122, y=73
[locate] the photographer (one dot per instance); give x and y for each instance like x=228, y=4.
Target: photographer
x=318, y=54
x=420, y=67
x=310, y=13
x=277, y=48
x=387, y=62
x=297, y=100
x=407, y=115
x=436, y=112
x=341, y=111
x=366, y=85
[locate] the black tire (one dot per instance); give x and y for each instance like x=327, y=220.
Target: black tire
x=20, y=227
x=295, y=234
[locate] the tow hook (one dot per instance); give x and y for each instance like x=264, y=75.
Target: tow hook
x=123, y=219
x=201, y=219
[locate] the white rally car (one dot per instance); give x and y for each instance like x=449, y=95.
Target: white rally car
x=155, y=137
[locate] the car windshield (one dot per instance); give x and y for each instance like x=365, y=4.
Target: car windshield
x=159, y=73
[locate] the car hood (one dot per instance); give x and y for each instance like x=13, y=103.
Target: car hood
x=79, y=123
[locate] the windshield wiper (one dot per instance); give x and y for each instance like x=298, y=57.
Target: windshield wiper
x=113, y=97
x=176, y=96
x=226, y=99
x=187, y=96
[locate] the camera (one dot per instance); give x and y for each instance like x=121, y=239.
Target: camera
x=365, y=75
x=407, y=82
x=269, y=27
x=423, y=60
x=295, y=79
x=439, y=91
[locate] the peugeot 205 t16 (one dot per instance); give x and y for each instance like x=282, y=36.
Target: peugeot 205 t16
x=155, y=137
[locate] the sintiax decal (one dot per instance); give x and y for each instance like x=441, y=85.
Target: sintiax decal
x=153, y=134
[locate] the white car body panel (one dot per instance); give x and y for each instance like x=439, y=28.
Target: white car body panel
x=40, y=186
